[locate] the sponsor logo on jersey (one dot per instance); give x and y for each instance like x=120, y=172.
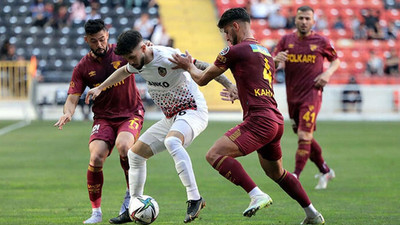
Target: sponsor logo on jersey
x=291, y=46
x=301, y=58
x=224, y=51
x=158, y=84
x=92, y=73
x=116, y=64
x=162, y=71
x=261, y=49
x=72, y=84
x=313, y=47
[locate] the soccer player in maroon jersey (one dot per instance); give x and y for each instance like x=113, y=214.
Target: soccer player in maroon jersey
x=253, y=69
x=303, y=53
x=118, y=113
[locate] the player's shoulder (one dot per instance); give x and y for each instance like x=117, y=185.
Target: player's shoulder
x=320, y=37
x=164, y=50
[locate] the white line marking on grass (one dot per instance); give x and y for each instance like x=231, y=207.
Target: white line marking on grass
x=14, y=126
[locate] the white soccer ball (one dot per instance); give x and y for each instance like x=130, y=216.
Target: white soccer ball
x=143, y=209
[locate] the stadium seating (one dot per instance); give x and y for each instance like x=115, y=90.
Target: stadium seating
x=354, y=54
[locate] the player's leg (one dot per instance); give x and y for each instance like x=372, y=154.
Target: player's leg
x=99, y=150
x=181, y=134
x=292, y=186
x=128, y=133
x=326, y=173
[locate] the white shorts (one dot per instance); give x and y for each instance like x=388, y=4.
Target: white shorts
x=188, y=122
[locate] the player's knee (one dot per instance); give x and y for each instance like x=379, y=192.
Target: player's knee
x=123, y=148
x=172, y=143
x=211, y=156
x=97, y=159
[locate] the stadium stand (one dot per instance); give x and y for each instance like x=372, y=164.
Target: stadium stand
x=354, y=53
x=59, y=49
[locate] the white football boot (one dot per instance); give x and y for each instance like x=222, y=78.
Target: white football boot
x=257, y=202
x=319, y=219
x=95, y=218
x=324, y=178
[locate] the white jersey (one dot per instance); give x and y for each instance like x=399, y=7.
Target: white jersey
x=173, y=90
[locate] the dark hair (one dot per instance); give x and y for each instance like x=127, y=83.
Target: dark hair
x=233, y=14
x=305, y=8
x=94, y=26
x=127, y=41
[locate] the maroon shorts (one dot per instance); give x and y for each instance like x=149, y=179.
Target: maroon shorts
x=258, y=133
x=108, y=129
x=305, y=114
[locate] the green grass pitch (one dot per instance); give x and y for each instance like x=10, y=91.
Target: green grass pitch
x=43, y=177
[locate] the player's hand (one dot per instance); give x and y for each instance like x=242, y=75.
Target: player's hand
x=229, y=95
x=62, y=121
x=281, y=56
x=182, y=61
x=321, y=80
x=92, y=93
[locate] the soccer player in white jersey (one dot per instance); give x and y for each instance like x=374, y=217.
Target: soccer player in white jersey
x=184, y=107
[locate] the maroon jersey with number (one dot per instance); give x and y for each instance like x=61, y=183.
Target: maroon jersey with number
x=121, y=100
x=304, y=63
x=253, y=69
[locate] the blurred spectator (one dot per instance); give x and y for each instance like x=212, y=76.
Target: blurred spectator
x=392, y=63
x=160, y=36
x=374, y=64
x=94, y=11
x=390, y=31
x=78, y=12
x=277, y=20
x=61, y=18
x=371, y=20
x=290, y=19
x=376, y=34
x=321, y=23
x=338, y=23
x=41, y=12
x=259, y=9
x=7, y=52
x=360, y=32
x=351, y=96
x=144, y=25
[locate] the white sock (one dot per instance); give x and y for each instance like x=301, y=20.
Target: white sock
x=310, y=211
x=183, y=166
x=96, y=210
x=137, y=173
x=255, y=191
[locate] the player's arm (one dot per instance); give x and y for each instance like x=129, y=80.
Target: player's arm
x=69, y=110
x=323, y=78
x=201, y=77
x=118, y=76
x=222, y=79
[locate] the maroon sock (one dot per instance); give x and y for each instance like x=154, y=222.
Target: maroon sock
x=125, y=166
x=316, y=157
x=95, y=184
x=302, y=155
x=293, y=188
x=232, y=170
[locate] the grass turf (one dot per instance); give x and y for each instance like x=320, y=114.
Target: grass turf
x=43, y=177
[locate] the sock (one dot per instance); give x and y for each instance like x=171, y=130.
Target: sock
x=137, y=173
x=293, y=188
x=96, y=210
x=255, y=191
x=95, y=185
x=183, y=166
x=310, y=211
x=302, y=155
x=316, y=157
x=232, y=170
x=125, y=166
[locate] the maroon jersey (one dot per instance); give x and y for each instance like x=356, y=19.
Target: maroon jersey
x=304, y=63
x=121, y=100
x=253, y=69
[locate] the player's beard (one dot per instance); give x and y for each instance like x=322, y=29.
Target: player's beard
x=234, y=39
x=99, y=53
x=141, y=63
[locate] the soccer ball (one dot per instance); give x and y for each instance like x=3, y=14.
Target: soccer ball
x=143, y=209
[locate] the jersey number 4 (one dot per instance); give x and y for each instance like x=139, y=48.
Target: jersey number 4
x=267, y=75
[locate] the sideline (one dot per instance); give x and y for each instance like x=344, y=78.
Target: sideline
x=14, y=126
